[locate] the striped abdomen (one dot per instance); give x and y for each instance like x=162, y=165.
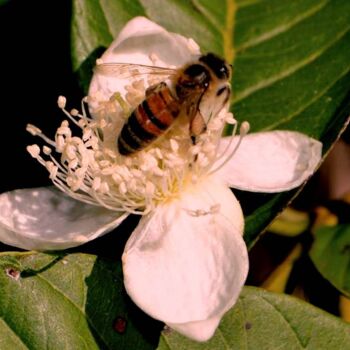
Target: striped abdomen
x=149, y=120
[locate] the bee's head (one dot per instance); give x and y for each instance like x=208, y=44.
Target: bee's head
x=218, y=66
x=195, y=78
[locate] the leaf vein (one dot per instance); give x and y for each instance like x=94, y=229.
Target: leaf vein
x=166, y=340
x=13, y=332
x=226, y=344
x=282, y=28
x=106, y=19
x=285, y=320
x=344, y=276
x=291, y=70
x=60, y=292
x=246, y=3
x=244, y=317
x=228, y=32
x=310, y=102
x=206, y=14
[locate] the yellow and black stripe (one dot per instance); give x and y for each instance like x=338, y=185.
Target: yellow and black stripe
x=148, y=121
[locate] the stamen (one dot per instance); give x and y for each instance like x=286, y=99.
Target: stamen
x=243, y=130
x=222, y=155
x=37, y=132
x=230, y=119
x=33, y=130
x=74, y=112
x=61, y=102
x=83, y=115
x=62, y=107
x=174, y=145
x=90, y=169
x=47, y=150
x=34, y=151
x=118, y=98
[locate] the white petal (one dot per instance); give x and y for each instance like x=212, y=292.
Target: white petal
x=187, y=261
x=272, y=161
x=45, y=218
x=200, y=330
x=138, y=40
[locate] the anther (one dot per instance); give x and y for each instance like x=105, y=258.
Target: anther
x=47, y=150
x=61, y=102
x=32, y=129
x=122, y=188
x=33, y=150
x=230, y=119
x=150, y=188
x=244, y=128
x=74, y=112
x=174, y=145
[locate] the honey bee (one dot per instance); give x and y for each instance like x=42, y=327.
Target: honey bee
x=205, y=80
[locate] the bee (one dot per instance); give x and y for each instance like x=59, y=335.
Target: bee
x=205, y=81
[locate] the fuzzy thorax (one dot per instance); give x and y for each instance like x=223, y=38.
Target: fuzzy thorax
x=90, y=169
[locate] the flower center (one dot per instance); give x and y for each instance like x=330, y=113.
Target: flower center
x=90, y=168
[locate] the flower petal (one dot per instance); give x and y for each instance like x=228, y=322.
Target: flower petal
x=272, y=161
x=200, y=330
x=186, y=262
x=139, y=42
x=45, y=218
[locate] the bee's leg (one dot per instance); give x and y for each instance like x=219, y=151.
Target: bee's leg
x=155, y=88
x=197, y=127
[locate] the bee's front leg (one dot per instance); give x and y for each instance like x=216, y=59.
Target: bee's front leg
x=197, y=127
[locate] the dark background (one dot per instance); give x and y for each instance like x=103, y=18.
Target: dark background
x=36, y=69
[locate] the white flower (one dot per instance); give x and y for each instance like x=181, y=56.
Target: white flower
x=186, y=261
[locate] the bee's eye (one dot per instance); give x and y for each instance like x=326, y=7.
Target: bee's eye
x=197, y=75
x=224, y=72
x=195, y=71
x=217, y=65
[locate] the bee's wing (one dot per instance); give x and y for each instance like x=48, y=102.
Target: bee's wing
x=127, y=70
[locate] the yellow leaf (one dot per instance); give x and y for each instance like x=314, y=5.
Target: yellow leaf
x=290, y=223
x=277, y=281
x=344, y=308
x=324, y=217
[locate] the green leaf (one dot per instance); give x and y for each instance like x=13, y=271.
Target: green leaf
x=291, y=63
x=265, y=321
x=330, y=253
x=74, y=301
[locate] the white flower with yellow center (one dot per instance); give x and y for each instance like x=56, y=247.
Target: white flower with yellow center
x=186, y=261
